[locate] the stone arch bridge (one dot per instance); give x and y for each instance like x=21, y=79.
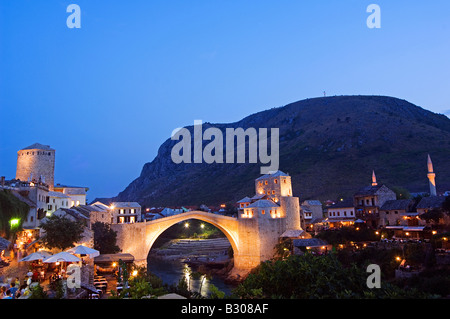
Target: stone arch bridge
x=252, y=241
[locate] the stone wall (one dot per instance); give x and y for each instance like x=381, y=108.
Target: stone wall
x=37, y=162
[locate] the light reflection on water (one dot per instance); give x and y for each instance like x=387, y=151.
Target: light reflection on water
x=171, y=271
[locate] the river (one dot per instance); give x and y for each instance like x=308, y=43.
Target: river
x=171, y=271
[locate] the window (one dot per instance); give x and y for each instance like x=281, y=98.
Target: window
x=263, y=212
x=284, y=181
x=78, y=202
x=132, y=219
x=275, y=181
x=121, y=220
x=31, y=218
x=73, y=203
x=273, y=192
x=266, y=182
x=132, y=211
x=121, y=211
x=345, y=213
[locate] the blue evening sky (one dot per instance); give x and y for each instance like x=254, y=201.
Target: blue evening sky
x=107, y=95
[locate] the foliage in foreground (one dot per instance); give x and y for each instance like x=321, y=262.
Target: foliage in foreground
x=314, y=277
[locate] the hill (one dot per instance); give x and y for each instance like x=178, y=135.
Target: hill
x=328, y=145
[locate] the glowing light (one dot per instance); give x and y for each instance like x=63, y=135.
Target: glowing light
x=398, y=258
x=377, y=233
x=14, y=222
x=202, y=226
x=134, y=273
x=114, y=264
x=186, y=225
x=407, y=234
x=111, y=207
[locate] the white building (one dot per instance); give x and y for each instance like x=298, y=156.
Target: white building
x=125, y=212
x=76, y=194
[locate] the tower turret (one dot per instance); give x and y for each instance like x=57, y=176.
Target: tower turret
x=431, y=177
x=374, y=179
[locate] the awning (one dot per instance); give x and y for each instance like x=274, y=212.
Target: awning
x=109, y=258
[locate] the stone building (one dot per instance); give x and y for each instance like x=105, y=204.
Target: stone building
x=368, y=200
x=311, y=212
x=77, y=194
x=125, y=212
x=36, y=163
x=394, y=212
x=273, y=210
x=341, y=214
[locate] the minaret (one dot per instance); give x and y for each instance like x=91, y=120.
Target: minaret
x=374, y=179
x=431, y=175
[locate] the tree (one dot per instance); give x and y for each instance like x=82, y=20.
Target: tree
x=11, y=208
x=401, y=192
x=105, y=238
x=61, y=232
x=309, y=276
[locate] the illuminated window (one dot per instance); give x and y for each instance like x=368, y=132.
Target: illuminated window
x=132, y=211
x=132, y=219
x=263, y=212
x=266, y=182
x=121, y=211
x=273, y=192
x=121, y=220
x=276, y=181
x=78, y=202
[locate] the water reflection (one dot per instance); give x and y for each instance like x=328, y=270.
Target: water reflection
x=171, y=271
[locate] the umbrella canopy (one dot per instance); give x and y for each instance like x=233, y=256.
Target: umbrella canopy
x=39, y=255
x=83, y=250
x=62, y=256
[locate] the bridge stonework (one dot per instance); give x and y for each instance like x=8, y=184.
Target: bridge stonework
x=253, y=239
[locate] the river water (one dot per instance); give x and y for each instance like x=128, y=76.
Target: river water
x=171, y=272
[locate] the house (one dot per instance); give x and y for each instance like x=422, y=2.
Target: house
x=57, y=200
x=394, y=212
x=310, y=212
x=125, y=212
x=368, y=200
x=341, y=214
x=77, y=194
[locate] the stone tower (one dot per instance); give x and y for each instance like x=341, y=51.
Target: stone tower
x=265, y=217
x=36, y=163
x=431, y=177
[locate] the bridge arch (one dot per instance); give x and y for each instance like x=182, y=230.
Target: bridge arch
x=227, y=225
